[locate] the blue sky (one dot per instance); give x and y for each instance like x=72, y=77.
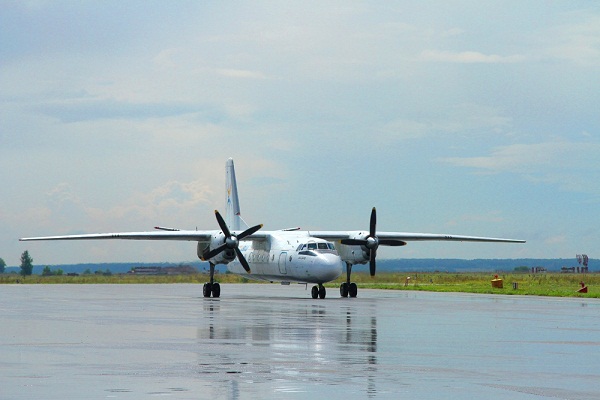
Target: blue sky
x=466, y=117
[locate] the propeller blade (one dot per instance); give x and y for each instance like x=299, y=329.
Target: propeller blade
x=210, y=254
x=231, y=242
x=372, y=242
x=249, y=231
x=391, y=242
x=373, y=222
x=372, y=265
x=222, y=224
x=354, y=242
x=242, y=259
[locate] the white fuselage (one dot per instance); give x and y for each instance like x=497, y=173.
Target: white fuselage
x=289, y=257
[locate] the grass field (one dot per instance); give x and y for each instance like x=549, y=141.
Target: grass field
x=546, y=284
x=543, y=284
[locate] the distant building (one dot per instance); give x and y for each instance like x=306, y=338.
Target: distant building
x=180, y=270
x=147, y=271
x=566, y=270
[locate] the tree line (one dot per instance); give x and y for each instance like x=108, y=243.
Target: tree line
x=26, y=264
x=27, y=268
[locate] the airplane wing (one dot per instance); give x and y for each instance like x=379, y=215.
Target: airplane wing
x=192, y=236
x=410, y=237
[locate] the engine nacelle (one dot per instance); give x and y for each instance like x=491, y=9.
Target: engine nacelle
x=355, y=254
x=224, y=257
x=202, y=248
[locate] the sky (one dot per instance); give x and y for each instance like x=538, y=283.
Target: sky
x=458, y=117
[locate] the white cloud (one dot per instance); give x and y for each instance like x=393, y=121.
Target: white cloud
x=491, y=218
x=525, y=157
x=463, y=120
x=240, y=73
x=468, y=57
x=572, y=166
x=576, y=42
x=556, y=240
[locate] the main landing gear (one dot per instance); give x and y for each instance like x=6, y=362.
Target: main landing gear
x=212, y=287
x=348, y=288
x=318, y=291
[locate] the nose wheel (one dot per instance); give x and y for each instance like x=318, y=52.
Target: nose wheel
x=318, y=292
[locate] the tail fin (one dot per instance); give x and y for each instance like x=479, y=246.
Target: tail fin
x=232, y=214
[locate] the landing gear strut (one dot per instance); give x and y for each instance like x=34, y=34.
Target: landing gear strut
x=212, y=287
x=318, y=291
x=348, y=288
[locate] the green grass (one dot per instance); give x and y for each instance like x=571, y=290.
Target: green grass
x=546, y=284
x=119, y=279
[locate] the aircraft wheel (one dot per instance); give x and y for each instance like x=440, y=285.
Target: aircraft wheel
x=322, y=292
x=314, y=292
x=353, y=290
x=207, y=289
x=344, y=289
x=216, y=290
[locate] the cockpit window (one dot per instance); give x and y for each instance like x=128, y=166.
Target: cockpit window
x=319, y=247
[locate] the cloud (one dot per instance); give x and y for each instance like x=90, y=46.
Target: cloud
x=493, y=217
x=556, y=240
x=85, y=109
x=62, y=195
x=173, y=203
x=468, y=57
x=240, y=73
x=572, y=166
x=462, y=119
x=576, y=42
x=526, y=157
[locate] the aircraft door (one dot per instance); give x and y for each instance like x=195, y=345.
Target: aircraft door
x=282, y=262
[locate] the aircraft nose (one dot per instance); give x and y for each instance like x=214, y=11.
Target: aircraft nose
x=331, y=267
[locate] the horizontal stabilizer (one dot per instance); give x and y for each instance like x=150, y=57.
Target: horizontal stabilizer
x=162, y=228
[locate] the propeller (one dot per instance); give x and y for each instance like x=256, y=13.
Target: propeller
x=231, y=242
x=372, y=242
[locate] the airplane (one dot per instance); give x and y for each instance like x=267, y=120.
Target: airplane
x=287, y=255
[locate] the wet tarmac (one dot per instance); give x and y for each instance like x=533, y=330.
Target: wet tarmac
x=269, y=341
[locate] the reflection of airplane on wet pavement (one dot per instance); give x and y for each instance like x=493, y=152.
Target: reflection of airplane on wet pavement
x=250, y=342
x=289, y=255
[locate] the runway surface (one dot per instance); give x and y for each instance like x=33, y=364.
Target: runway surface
x=271, y=341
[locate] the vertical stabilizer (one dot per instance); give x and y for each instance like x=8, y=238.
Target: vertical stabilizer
x=232, y=214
